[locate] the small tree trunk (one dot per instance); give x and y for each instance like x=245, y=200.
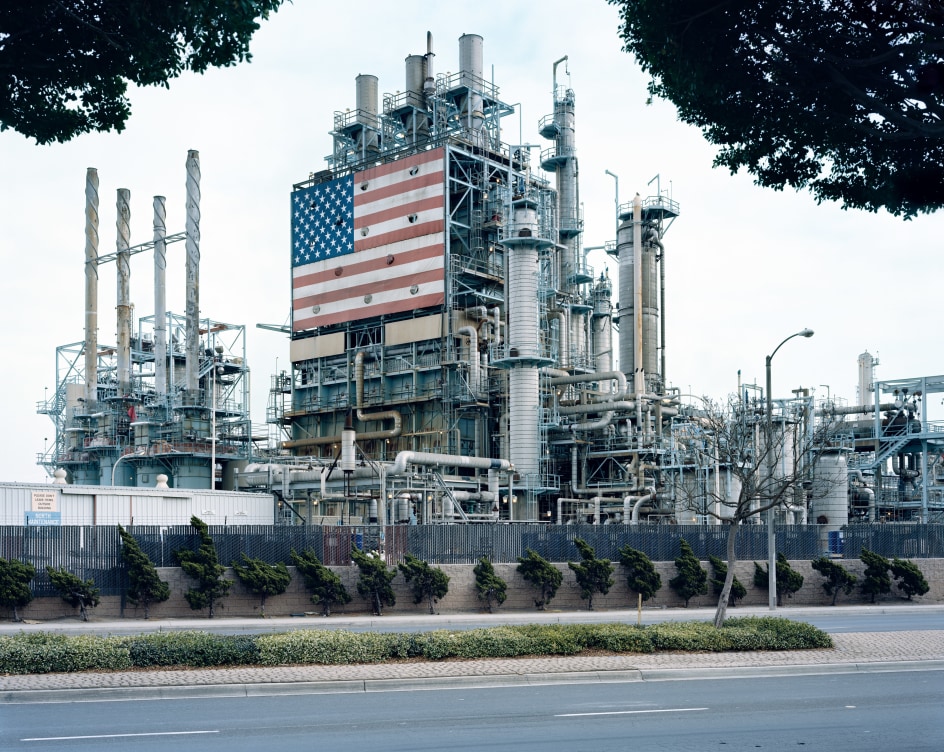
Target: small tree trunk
x=722, y=609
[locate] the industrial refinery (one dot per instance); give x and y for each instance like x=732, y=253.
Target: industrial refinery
x=454, y=358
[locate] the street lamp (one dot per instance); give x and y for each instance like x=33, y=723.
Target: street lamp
x=771, y=536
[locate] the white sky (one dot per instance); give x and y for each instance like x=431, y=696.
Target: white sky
x=745, y=267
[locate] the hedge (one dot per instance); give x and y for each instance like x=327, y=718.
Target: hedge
x=44, y=652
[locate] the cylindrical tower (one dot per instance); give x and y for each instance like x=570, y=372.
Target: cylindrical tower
x=602, y=331
x=193, y=273
x=830, y=498
x=91, y=287
x=160, y=298
x=470, y=68
x=367, y=108
x=124, y=292
x=866, y=377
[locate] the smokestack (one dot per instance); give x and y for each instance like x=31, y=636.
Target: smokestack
x=160, y=297
x=193, y=272
x=91, y=286
x=124, y=292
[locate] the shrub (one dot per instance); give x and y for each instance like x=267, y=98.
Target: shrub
x=374, y=581
x=788, y=579
x=75, y=591
x=641, y=574
x=537, y=570
x=191, y=648
x=875, y=579
x=720, y=570
x=204, y=567
x=593, y=574
x=15, y=577
x=489, y=586
x=44, y=653
x=838, y=578
x=691, y=579
x=325, y=586
x=428, y=584
x=146, y=586
x=910, y=579
x=262, y=579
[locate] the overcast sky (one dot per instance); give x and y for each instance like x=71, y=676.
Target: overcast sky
x=745, y=267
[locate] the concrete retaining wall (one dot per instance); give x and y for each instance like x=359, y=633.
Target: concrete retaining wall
x=462, y=594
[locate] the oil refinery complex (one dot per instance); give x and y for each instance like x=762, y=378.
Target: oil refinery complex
x=454, y=359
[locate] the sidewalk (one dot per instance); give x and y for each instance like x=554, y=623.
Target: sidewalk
x=853, y=651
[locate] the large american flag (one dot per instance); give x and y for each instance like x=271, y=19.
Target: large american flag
x=368, y=244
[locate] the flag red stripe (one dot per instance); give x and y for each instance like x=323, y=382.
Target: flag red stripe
x=366, y=197
x=361, y=267
x=422, y=301
x=411, y=231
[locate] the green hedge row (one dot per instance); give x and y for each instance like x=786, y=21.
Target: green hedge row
x=44, y=652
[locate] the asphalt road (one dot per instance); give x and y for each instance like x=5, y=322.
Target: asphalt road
x=830, y=619
x=865, y=712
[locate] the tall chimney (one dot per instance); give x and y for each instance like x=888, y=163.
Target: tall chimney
x=124, y=292
x=91, y=286
x=160, y=297
x=193, y=273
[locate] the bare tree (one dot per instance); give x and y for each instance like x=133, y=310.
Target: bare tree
x=731, y=471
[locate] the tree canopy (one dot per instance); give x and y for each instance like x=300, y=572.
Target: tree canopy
x=839, y=97
x=65, y=66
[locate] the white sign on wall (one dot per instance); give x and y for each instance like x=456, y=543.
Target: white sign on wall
x=45, y=501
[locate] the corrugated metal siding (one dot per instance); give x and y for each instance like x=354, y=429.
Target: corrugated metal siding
x=109, y=505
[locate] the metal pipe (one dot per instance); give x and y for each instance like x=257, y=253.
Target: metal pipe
x=639, y=373
x=91, y=287
x=473, y=358
x=404, y=459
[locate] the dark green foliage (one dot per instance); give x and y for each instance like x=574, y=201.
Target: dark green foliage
x=838, y=578
x=262, y=578
x=489, y=586
x=788, y=579
x=875, y=579
x=67, y=65
x=691, y=579
x=192, y=649
x=203, y=565
x=325, y=586
x=910, y=579
x=428, y=584
x=537, y=570
x=15, y=577
x=593, y=574
x=841, y=98
x=75, y=591
x=720, y=570
x=146, y=587
x=374, y=581
x=42, y=652
x=641, y=574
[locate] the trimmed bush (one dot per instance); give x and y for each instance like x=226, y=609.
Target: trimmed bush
x=691, y=579
x=593, y=574
x=641, y=574
x=45, y=652
x=838, y=578
x=909, y=578
x=374, y=580
x=427, y=583
x=262, y=579
x=75, y=591
x=537, y=570
x=875, y=579
x=788, y=579
x=15, y=577
x=191, y=648
x=720, y=570
x=488, y=585
x=325, y=586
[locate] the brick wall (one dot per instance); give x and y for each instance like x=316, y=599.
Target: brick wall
x=462, y=595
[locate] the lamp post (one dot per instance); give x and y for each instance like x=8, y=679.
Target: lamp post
x=771, y=535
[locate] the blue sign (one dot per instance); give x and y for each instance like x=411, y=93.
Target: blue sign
x=38, y=519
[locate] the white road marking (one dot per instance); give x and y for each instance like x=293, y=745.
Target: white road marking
x=113, y=736
x=630, y=712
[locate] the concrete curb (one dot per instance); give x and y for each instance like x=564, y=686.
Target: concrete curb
x=121, y=694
